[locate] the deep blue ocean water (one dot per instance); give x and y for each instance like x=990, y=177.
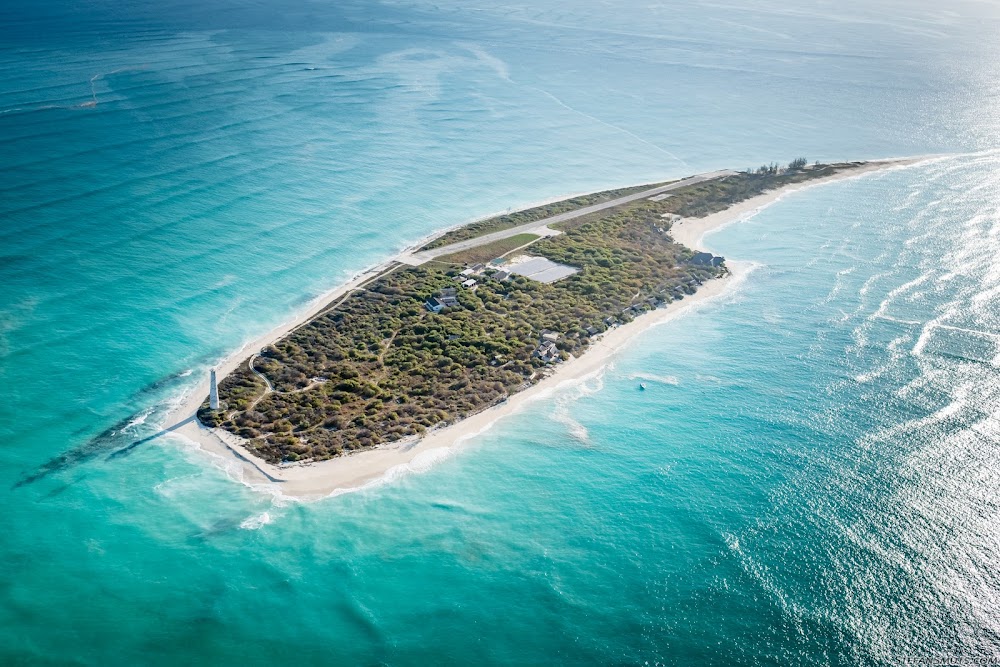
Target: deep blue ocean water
x=810, y=478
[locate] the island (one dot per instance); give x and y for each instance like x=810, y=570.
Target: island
x=461, y=324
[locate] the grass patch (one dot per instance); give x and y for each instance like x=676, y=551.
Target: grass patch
x=508, y=220
x=488, y=251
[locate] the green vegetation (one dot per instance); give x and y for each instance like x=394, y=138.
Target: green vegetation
x=488, y=251
x=378, y=366
x=697, y=201
x=517, y=218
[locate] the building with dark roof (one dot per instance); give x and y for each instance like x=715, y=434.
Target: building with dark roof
x=707, y=259
x=444, y=299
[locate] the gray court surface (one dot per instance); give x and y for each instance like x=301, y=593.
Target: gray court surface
x=543, y=270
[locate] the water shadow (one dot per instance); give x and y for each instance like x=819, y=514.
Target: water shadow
x=108, y=439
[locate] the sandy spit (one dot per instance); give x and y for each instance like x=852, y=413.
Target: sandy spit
x=690, y=231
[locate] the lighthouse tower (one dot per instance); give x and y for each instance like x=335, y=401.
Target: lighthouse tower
x=213, y=391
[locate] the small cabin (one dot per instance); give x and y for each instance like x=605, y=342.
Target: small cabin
x=707, y=259
x=547, y=352
x=444, y=299
x=434, y=305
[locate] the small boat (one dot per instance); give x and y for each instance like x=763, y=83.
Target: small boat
x=642, y=386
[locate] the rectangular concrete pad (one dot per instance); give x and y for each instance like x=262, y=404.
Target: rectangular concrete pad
x=543, y=270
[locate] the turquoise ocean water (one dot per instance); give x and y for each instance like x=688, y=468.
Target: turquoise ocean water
x=810, y=478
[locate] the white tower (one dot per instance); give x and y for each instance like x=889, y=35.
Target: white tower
x=213, y=392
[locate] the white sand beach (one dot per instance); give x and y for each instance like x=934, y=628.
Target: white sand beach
x=321, y=479
x=690, y=231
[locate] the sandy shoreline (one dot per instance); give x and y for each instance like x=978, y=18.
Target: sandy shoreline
x=690, y=231
x=321, y=479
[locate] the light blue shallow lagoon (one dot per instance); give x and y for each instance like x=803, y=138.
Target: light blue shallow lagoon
x=811, y=476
